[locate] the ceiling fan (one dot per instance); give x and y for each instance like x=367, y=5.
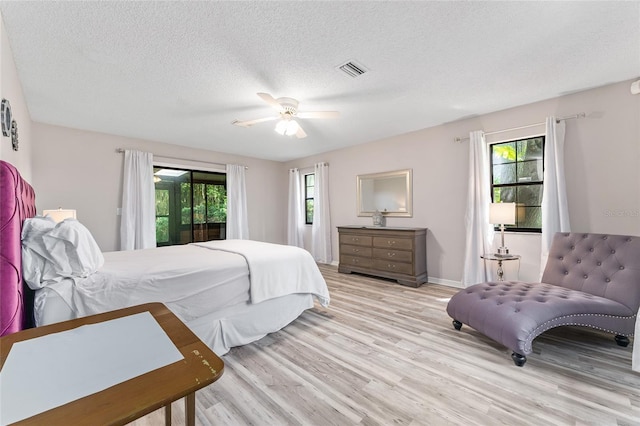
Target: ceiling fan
x=288, y=109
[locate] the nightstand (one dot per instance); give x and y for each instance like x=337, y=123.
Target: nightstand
x=501, y=258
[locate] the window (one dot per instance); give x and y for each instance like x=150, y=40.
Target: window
x=309, y=184
x=191, y=206
x=517, y=177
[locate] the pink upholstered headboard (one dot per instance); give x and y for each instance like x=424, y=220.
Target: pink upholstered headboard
x=17, y=202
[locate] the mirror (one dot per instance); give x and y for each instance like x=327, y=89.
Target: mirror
x=388, y=192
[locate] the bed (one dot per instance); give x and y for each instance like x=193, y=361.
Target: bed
x=229, y=293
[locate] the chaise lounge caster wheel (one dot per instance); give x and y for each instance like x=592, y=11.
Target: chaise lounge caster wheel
x=622, y=340
x=457, y=324
x=518, y=359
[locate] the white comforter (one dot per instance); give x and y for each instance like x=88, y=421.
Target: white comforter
x=197, y=279
x=276, y=270
x=191, y=281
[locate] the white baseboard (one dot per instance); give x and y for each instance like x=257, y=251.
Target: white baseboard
x=448, y=283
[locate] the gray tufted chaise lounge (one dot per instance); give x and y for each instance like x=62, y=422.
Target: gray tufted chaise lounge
x=590, y=280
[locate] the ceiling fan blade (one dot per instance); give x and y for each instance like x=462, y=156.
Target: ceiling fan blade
x=249, y=123
x=300, y=133
x=318, y=114
x=271, y=101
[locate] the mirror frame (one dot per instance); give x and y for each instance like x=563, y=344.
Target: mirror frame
x=408, y=186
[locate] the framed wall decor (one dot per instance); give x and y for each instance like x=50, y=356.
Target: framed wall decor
x=5, y=117
x=14, y=135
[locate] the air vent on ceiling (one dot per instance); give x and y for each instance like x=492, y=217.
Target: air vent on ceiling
x=352, y=69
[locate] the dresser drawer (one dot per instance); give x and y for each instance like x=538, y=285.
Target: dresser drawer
x=355, y=250
x=395, y=255
x=362, y=262
x=391, y=266
x=393, y=242
x=356, y=240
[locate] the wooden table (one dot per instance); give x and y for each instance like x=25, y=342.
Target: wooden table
x=127, y=401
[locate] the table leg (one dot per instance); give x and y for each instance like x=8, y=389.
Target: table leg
x=167, y=414
x=190, y=409
x=500, y=271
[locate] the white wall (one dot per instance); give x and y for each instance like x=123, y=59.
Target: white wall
x=81, y=170
x=602, y=167
x=11, y=89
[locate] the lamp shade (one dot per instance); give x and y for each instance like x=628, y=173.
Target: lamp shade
x=502, y=213
x=60, y=214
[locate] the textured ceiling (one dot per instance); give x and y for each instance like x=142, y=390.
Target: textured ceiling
x=181, y=72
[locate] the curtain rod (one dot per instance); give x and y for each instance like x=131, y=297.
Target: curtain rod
x=576, y=116
x=308, y=167
x=121, y=150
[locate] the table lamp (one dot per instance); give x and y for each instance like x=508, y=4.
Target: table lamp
x=60, y=214
x=501, y=214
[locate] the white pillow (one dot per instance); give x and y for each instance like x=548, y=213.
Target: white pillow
x=34, y=228
x=52, y=252
x=37, y=267
x=73, y=249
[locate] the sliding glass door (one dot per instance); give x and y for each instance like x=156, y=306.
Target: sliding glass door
x=191, y=206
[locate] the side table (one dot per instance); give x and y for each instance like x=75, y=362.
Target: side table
x=501, y=258
x=134, y=398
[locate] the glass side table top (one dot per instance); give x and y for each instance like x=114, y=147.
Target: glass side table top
x=496, y=256
x=500, y=258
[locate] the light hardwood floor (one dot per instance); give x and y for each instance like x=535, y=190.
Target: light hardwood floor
x=384, y=354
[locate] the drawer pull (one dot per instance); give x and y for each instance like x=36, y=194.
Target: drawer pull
x=355, y=239
x=391, y=266
x=356, y=260
x=391, y=254
x=391, y=242
x=356, y=250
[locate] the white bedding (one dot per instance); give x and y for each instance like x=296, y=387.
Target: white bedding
x=270, y=277
x=207, y=285
x=191, y=281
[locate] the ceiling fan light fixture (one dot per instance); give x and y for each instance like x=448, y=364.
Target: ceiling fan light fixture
x=288, y=109
x=287, y=127
x=281, y=127
x=292, y=127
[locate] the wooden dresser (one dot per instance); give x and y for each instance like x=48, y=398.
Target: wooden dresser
x=395, y=253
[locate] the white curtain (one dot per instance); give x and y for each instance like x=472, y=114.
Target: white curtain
x=237, y=223
x=555, y=212
x=635, y=355
x=295, y=222
x=321, y=228
x=138, y=220
x=479, y=231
